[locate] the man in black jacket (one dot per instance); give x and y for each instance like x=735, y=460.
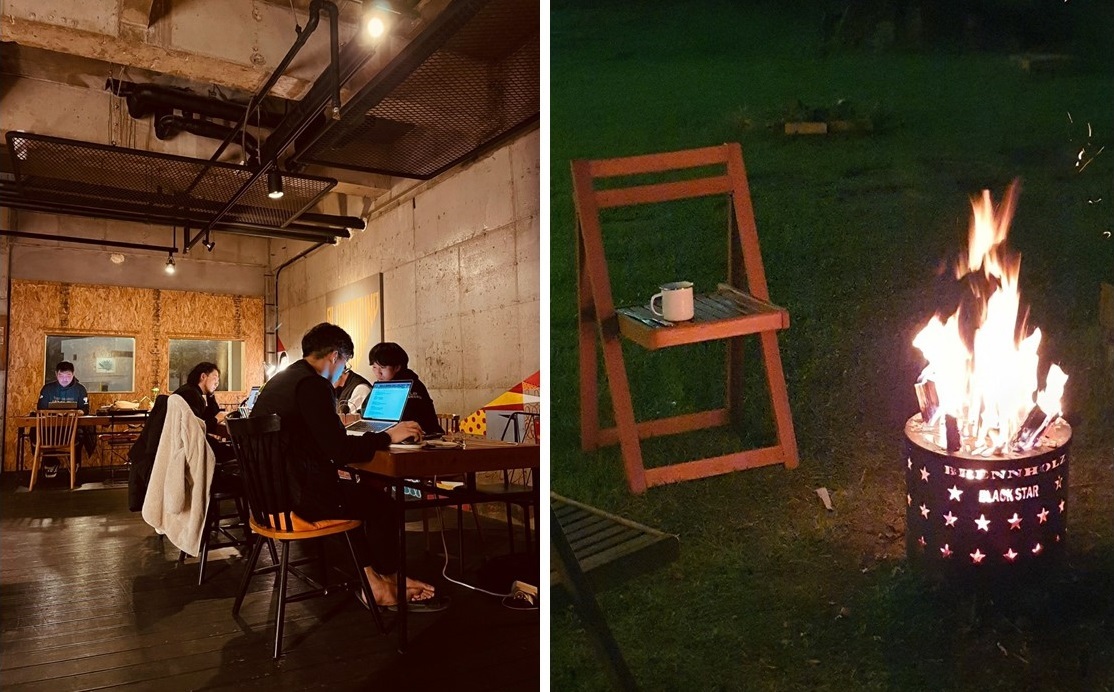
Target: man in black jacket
x=318, y=446
x=390, y=362
x=199, y=392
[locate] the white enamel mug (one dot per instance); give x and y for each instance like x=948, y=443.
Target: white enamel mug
x=676, y=301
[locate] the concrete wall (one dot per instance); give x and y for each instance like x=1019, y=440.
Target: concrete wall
x=460, y=259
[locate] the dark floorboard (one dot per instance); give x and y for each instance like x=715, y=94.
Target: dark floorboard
x=91, y=598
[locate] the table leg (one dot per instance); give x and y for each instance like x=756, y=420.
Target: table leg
x=20, y=434
x=400, y=503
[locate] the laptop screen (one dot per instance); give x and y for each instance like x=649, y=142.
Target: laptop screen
x=251, y=397
x=387, y=400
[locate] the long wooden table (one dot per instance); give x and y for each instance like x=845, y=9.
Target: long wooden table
x=400, y=468
x=25, y=424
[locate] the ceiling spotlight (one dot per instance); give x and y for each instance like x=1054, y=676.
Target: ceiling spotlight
x=170, y=264
x=209, y=244
x=274, y=184
x=116, y=258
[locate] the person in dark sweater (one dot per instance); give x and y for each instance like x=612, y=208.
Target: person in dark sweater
x=65, y=389
x=199, y=392
x=390, y=362
x=66, y=392
x=318, y=447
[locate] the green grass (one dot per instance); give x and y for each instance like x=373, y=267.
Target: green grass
x=771, y=592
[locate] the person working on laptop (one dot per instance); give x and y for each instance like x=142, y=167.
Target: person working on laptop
x=351, y=390
x=390, y=362
x=199, y=392
x=303, y=397
x=65, y=392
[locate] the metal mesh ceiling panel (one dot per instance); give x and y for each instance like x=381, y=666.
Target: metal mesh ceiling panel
x=105, y=176
x=429, y=110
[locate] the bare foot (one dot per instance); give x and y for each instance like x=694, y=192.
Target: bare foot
x=384, y=588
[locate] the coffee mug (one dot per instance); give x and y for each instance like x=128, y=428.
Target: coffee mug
x=676, y=301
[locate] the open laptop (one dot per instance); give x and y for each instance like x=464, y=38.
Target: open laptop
x=249, y=402
x=383, y=407
x=62, y=405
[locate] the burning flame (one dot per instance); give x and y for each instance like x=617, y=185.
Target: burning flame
x=983, y=369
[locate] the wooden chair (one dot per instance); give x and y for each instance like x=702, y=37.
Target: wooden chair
x=55, y=436
x=738, y=308
x=261, y=450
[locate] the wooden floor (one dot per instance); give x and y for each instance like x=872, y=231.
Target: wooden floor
x=91, y=597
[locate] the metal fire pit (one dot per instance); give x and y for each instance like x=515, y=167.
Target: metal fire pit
x=968, y=514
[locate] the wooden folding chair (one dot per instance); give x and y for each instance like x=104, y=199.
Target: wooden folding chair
x=738, y=308
x=55, y=436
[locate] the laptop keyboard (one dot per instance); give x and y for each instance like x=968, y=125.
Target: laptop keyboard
x=363, y=426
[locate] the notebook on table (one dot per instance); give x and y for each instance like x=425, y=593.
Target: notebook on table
x=383, y=407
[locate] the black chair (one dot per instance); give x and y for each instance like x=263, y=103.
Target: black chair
x=227, y=487
x=261, y=450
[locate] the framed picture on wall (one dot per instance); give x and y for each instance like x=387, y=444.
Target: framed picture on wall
x=358, y=309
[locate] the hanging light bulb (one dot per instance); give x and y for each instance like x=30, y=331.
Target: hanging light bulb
x=170, y=263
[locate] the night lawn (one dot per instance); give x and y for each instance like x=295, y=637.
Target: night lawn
x=771, y=591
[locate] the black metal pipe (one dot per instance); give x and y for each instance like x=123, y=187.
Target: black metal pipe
x=310, y=223
x=268, y=160
x=151, y=99
x=88, y=241
x=168, y=126
x=171, y=220
x=315, y=8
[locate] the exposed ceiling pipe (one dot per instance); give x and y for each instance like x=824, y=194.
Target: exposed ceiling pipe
x=323, y=224
x=88, y=241
x=296, y=121
x=168, y=219
x=169, y=126
x=150, y=99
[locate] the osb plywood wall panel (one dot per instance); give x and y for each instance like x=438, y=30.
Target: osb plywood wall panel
x=151, y=316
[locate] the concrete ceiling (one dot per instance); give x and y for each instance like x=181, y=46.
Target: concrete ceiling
x=57, y=55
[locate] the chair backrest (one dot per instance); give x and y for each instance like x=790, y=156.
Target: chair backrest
x=261, y=449
x=56, y=429
x=449, y=422
x=744, y=256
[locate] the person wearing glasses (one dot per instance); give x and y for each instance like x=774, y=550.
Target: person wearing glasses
x=303, y=396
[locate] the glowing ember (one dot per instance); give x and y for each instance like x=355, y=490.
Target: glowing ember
x=982, y=367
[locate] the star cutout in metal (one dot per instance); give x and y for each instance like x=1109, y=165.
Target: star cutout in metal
x=983, y=523
x=921, y=541
x=909, y=463
x=1059, y=482
x=1015, y=522
x=949, y=519
x=1061, y=506
x=924, y=511
x=946, y=551
x=925, y=474
x=977, y=556
x=908, y=500
x=1042, y=515
x=1010, y=555
x=1037, y=549
x=954, y=493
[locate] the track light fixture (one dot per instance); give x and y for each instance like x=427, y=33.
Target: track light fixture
x=170, y=263
x=274, y=184
x=209, y=244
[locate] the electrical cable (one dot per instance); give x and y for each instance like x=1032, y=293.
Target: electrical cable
x=512, y=596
